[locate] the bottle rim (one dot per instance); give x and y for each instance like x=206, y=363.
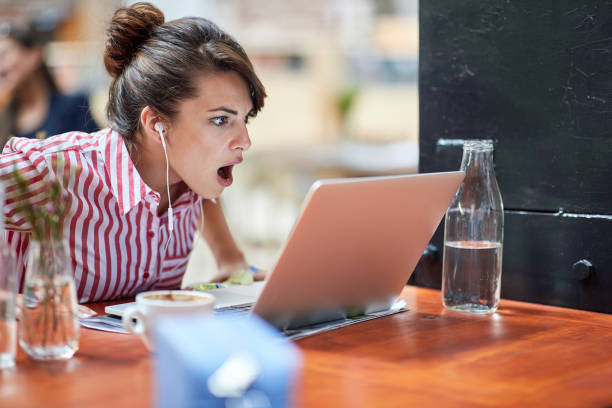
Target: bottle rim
x=481, y=145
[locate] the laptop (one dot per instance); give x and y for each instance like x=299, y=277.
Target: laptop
x=351, y=251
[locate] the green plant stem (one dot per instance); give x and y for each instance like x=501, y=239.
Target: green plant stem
x=45, y=312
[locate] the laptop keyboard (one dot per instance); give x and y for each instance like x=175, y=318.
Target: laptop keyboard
x=238, y=310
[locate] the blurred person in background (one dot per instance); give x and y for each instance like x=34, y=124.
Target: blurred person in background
x=30, y=103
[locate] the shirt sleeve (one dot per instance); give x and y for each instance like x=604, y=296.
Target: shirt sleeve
x=22, y=155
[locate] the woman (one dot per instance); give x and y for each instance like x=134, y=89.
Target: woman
x=181, y=96
x=30, y=103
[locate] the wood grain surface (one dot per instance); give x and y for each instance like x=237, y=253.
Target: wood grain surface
x=524, y=355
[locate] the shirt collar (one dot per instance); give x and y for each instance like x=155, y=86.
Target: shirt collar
x=128, y=188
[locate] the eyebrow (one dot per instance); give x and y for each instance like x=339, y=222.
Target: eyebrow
x=224, y=109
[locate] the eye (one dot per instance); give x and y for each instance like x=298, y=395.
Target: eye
x=219, y=120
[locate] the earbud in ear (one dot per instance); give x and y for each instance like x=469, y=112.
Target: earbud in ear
x=159, y=127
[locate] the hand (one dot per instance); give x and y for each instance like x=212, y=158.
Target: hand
x=228, y=270
x=260, y=274
x=8, y=85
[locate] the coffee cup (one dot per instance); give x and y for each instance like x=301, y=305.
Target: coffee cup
x=152, y=306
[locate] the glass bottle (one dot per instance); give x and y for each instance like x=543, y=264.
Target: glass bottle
x=473, y=235
x=49, y=328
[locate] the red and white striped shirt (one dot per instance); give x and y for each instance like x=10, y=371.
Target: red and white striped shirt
x=115, y=239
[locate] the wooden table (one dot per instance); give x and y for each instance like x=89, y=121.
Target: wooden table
x=524, y=355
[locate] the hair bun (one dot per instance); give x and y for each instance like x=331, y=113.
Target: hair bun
x=129, y=28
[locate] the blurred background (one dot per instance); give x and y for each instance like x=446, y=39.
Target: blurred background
x=341, y=78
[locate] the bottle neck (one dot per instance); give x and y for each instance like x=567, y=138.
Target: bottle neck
x=477, y=161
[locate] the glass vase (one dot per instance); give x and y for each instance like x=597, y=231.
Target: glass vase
x=49, y=328
x=473, y=235
x=8, y=291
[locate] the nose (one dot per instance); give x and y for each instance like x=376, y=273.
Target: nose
x=242, y=140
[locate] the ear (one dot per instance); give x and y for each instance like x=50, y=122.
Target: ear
x=148, y=120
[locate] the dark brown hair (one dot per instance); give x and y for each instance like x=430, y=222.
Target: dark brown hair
x=155, y=64
x=27, y=35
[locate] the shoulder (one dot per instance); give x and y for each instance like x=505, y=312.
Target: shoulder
x=37, y=152
x=37, y=162
x=69, y=141
x=69, y=102
x=70, y=112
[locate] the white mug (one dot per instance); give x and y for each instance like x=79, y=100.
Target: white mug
x=150, y=306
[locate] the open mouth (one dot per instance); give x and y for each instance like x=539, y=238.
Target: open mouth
x=225, y=175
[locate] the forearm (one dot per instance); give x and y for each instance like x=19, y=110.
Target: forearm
x=218, y=235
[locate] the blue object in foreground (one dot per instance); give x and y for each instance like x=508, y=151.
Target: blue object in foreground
x=223, y=362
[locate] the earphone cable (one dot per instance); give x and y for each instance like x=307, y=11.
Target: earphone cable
x=170, y=215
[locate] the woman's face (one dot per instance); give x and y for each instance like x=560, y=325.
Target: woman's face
x=209, y=134
x=17, y=63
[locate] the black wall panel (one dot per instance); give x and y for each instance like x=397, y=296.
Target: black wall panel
x=536, y=77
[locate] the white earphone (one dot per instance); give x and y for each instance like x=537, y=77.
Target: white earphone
x=160, y=129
